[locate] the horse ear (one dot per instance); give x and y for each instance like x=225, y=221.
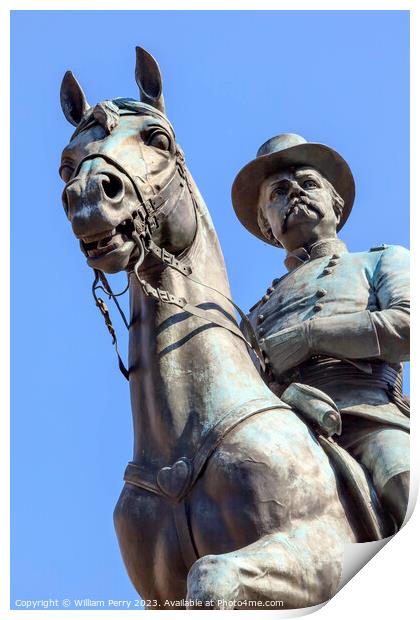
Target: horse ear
x=149, y=79
x=72, y=98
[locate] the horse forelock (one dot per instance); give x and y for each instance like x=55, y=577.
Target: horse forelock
x=107, y=113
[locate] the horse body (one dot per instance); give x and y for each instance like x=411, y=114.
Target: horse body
x=264, y=517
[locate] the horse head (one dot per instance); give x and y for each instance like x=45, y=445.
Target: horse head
x=126, y=183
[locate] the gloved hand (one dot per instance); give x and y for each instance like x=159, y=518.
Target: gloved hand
x=343, y=336
x=287, y=348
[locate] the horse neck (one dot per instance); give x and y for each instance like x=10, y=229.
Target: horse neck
x=185, y=373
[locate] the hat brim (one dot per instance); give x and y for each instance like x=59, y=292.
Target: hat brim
x=246, y=186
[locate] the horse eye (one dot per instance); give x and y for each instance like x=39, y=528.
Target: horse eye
x=160, y=140
x=65, y=171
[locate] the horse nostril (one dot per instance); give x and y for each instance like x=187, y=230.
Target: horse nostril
x=113, y=186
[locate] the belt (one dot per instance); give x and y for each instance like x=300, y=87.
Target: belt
x=320, y=371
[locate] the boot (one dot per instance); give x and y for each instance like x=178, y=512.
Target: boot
x=395, y=494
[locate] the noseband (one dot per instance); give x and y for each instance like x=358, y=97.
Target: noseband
x=145, y=221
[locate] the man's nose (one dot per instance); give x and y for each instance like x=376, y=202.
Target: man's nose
x=295, y=190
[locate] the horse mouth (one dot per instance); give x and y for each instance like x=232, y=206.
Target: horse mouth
x=94, y=246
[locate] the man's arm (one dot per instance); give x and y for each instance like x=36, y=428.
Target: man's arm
x=392, y=321
x=383, y=334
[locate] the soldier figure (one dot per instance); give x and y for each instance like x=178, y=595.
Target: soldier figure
x=337, y=321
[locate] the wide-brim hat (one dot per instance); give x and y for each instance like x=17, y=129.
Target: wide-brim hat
x=284, y=151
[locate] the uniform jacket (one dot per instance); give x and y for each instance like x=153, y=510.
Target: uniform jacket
x=341, y=305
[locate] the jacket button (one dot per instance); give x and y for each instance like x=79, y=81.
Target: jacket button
x=336, y=256
x=275, y=281
x=332, y=263
x=261, y=331
x=321, y=292
x=266, y=298
x=318, y=307
x=327, y=271
x=270, y=290
x=260, y=319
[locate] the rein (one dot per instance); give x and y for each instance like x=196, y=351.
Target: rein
x=146, y=220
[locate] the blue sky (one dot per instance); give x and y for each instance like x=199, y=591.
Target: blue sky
x=231, y=81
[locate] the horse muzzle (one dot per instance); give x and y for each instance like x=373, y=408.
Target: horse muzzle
x=99, y=207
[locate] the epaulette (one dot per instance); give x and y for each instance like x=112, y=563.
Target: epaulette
x=378, y=248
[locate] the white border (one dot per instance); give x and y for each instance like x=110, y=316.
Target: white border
x=392, y=573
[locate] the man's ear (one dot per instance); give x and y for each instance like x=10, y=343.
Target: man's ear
x=338, y=207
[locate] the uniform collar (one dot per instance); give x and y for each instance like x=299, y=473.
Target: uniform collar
x=326, y=247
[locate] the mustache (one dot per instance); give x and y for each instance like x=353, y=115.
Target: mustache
x=302, y=203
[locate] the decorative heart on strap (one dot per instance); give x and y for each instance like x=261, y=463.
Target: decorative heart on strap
x=173, y=481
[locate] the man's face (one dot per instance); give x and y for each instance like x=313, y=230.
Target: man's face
x=298, y=205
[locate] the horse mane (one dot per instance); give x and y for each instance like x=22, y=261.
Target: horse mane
x=117, y=107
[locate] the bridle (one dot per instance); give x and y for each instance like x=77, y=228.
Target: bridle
x=145, y=221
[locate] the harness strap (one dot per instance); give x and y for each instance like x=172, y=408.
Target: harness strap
x=152, y=212
x=151, y=205
x=166, y=257
x=103, y=308
x=183, y=530
x=161, y=204
x=169, y=259
x=164, y=296
x=225, y=425
x=142, y=477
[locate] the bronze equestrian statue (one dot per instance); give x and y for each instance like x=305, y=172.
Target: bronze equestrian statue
x=232, y=497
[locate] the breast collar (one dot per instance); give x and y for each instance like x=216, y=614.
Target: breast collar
x=325, y=247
